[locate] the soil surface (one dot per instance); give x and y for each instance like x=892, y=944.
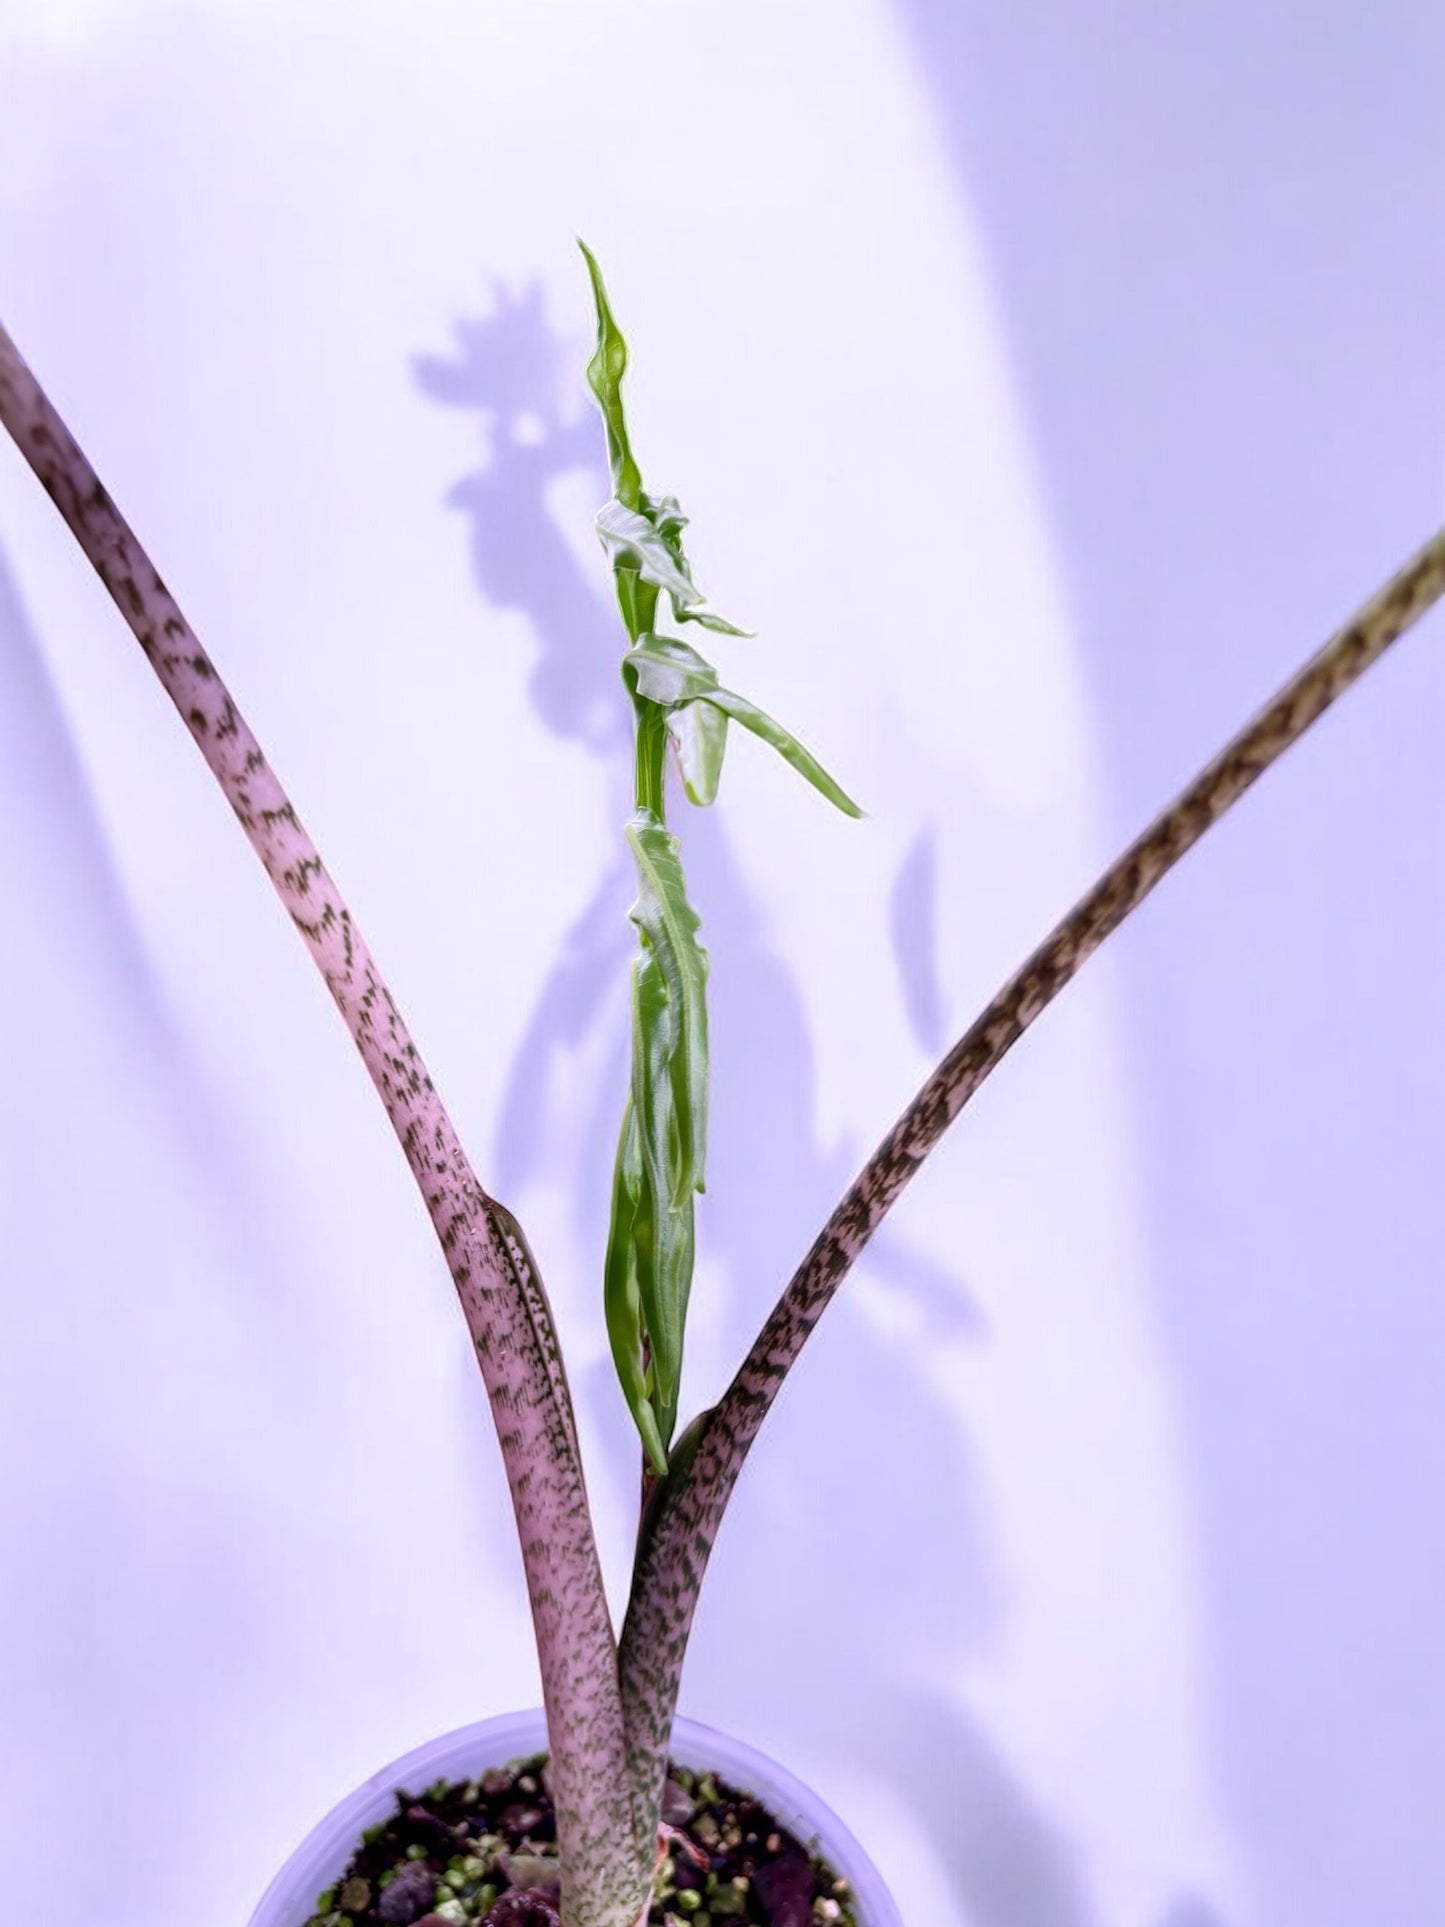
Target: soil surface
x=483, y=1853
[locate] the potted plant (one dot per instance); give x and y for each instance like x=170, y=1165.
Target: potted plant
x=610, y=1699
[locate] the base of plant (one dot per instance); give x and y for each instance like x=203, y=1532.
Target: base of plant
x=484, y=1851
x=327, y=1857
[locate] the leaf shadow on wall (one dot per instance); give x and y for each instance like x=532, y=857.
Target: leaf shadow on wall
x=836, y=1510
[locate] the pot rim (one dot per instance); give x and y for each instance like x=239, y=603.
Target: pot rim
x=321, y=1857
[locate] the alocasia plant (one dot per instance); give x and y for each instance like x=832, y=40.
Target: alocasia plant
x=610, y=1703
x=677, y=699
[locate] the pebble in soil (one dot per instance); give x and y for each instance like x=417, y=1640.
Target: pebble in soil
x=483, y=1853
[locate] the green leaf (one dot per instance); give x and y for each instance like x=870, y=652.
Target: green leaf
x=641, y=533
x=667, y=670
x=604, y=378
x=719, y=624
x=664, y=1155
x=621, y=1298
x=646, y=539
x=676, y=696
x=670, y=672
x=699, y=734
x=636, y=599
x=662, y=1232
x=787, y=745
x=665, y=514
x=653, y=1088
x=630, y=539
x=663, y=1248
x=669, y=926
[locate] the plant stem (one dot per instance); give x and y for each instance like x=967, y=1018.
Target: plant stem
x=649, y=788
x=607, y=1847
x=688, y=1510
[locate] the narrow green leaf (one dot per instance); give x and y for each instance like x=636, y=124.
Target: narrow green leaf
x=636, y=599
x=662, y=1220
x=653, y=1050
x=786, y=744
x=664, y=513
x=634, y=540
x=719, y=624
x=666, y=516
x=667, y=670
x=669, y=926
x=641, y=533
x=604, y=378
x=621, y=1298
x=664, y=1240
x=629, y=538
x=677, y=697
x=699, y=734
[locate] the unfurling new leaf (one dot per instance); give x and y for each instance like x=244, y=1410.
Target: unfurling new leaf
x=677, y=699
x=671, y=673
x=604, y=378
x=668, y=926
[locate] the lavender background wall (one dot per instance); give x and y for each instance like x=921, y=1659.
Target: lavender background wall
x=1042, y=384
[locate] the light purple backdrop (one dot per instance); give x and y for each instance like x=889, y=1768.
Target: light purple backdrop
x=1043, y=383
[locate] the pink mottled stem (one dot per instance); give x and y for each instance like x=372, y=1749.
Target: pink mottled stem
x=607, y=1844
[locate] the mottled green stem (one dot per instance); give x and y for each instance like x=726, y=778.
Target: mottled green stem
x=689, y=1506
x=607, y=1847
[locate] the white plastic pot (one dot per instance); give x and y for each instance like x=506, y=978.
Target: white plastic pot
x=322, y=1856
